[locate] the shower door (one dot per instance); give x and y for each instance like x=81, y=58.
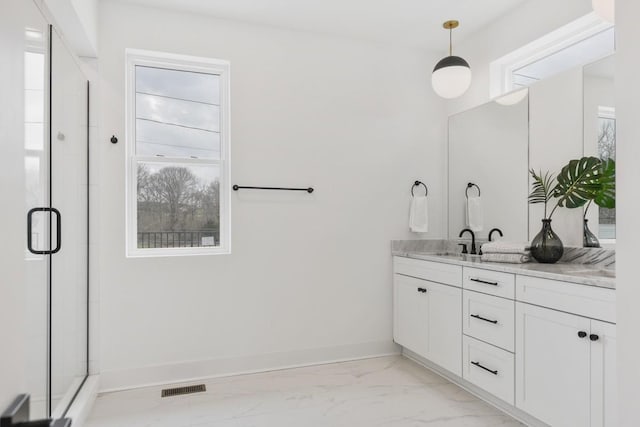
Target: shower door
x=69, y=189
x=44, y=215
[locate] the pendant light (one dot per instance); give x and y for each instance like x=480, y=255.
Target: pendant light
x=605, y=9
x=452, y=75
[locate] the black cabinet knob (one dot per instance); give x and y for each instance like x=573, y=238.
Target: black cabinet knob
x=423, y=290
x=582, y=334
x=594, y=337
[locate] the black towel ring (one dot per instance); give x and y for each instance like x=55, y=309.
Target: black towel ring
x=417, y=183
x=471, y=185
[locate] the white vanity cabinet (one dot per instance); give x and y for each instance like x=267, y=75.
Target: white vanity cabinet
x=428, y=315
x=565, y=363
x=545, y=348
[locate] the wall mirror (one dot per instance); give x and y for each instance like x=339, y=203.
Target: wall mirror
x=562, y=117
x=600, y=135
x=488, y=147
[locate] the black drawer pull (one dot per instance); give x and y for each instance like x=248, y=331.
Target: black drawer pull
x=594, y=337
x=582, y=334
x=473, y=279
x=423, y=290
x=476, y=316
x=485, y=368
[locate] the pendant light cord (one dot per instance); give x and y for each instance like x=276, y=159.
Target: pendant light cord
x=450, y=41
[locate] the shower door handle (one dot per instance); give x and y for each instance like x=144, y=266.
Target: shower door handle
x=58, y=231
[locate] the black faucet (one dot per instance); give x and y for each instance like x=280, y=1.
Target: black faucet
x=473, y=240
x=495, y=229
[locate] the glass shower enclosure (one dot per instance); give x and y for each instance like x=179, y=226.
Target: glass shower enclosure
x=54, y=147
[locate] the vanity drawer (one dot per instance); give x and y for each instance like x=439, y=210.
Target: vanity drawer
x=490, y=319
x=589, y=301
x=489, y=282
x=490, y=368
x=447, y=274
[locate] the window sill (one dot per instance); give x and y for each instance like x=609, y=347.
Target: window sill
x=169, y=252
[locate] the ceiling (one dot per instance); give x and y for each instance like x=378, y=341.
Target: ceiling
x=416, y=23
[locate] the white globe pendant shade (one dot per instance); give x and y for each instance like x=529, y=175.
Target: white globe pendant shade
x=605, y=9
x=513, y=98
x=451, y=77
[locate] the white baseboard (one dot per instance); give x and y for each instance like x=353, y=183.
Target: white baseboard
x=511, y=410
x=83, y=403
x=198, y=370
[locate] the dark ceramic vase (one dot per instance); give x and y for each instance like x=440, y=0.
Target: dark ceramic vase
x=589, y=240
x=547, y=247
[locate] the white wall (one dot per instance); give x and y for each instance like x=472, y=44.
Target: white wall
x=310, y=276
x=628, y=206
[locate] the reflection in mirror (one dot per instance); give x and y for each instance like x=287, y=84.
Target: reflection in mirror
x=488, y=146
x=600, y=135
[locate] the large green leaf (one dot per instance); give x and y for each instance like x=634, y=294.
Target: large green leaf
x=605, y=196
x=578, y=182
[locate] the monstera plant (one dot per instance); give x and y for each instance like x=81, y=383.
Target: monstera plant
x=579, y=183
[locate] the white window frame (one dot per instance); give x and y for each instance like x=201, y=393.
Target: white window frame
x=136, y=57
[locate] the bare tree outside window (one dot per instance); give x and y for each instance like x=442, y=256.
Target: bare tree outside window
x=607, y=150
x=177, y=207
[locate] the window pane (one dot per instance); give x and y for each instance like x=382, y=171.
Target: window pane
x=154, y=139
x=178, y=205
x=177, y=113
x=199, y=87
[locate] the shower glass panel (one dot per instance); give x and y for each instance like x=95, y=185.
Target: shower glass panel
x=34, y=32
x=44, y=171
x=69, y=195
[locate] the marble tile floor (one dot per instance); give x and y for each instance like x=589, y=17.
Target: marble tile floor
x=385, y=391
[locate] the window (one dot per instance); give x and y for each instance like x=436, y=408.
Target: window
x=177, y=155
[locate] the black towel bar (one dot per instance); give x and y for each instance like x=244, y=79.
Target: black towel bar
x=242, y=187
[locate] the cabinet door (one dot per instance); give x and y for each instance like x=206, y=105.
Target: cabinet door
x=410, y=307
x=553, y=366
x=603, y=375
x=444, y=320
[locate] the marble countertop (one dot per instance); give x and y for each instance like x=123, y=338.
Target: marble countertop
x=584, y=274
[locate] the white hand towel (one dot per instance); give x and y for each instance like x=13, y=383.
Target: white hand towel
x=504, y=247
x=474, y=213
x=506, y=258
x=419, y=215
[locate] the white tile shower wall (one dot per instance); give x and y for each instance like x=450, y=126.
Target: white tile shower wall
x=309, y=275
